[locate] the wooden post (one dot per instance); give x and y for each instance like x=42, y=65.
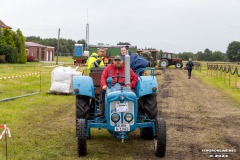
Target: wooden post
x=229, y=76
x=207, y=68
x=58, y=45
x=236, y=77
x=6, y=142
x=225, y=74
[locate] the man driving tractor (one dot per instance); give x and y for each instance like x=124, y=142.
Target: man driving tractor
x=117, y=72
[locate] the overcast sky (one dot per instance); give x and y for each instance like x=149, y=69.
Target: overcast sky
x=170, y=25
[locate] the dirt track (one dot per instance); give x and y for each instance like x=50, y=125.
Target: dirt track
x=197, y=117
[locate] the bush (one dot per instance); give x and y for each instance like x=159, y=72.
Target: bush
x=9, y=52
x=2, y=59
x=30, y=58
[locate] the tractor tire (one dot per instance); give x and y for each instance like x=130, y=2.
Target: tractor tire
x=146, y=133
x=82, y=106
x=164, y=63
x=149, y=105
x=81, y=137
x=160, y=138
x=178, y=65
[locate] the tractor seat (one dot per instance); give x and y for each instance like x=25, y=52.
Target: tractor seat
x=96, y=74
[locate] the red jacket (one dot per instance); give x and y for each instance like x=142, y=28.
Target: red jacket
x=111, y=71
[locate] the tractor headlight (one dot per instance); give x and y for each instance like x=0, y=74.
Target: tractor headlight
x=128, y=117
x=115, y=117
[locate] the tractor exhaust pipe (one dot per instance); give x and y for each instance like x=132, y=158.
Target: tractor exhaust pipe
x=127, y=69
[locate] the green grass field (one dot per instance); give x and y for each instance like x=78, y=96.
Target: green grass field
x=43, y=125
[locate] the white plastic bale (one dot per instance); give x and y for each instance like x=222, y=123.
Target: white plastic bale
x=61, y=80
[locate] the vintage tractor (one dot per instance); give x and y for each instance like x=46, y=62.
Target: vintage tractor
x=125, y=110
x=167, y=60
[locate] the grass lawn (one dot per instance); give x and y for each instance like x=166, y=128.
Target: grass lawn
x=65, y=59
x=43, y=125
x=216, y=80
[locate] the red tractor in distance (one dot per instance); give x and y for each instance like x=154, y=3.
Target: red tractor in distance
x=167, y=60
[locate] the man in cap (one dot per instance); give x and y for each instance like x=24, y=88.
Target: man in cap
x=116, y=68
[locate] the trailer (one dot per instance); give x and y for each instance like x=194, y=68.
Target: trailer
x=80, y=56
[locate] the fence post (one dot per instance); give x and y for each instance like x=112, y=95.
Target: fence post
x=236, y=77
x=229, y=76
x=225, y=74
x=207, y=68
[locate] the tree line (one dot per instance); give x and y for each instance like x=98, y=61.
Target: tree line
x=232, y=54
x=66, y=46
x=12, y=46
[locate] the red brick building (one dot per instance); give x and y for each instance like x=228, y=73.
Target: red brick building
x=40, y=52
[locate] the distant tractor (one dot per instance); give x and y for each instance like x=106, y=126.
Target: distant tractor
x=167, y=60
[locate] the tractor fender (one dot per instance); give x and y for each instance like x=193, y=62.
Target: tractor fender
x=83, y=85
x=146, y=85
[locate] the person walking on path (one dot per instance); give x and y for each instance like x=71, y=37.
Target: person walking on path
x=189, y=66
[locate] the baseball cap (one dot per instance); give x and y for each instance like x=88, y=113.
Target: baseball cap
x=117, y=57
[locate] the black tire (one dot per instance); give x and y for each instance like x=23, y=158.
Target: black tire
x=178, y=65
x=146, y=133
x=164, y=63
x=161, y=137
x=81, y=137
x=149, y=105
x=82, y=106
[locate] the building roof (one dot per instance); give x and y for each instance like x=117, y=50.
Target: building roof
x=3, y=25
x=110, y=46
x=32, y=44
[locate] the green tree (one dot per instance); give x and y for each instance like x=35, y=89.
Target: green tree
x=1, y=35
x=20, y=46
x=8, y=37
x=233, y=51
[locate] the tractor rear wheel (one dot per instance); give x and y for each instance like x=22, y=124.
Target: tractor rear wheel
x=82, y=106
x=149, y=105
x=178, y=65
x=146, y=133
x=164, y=63
x=81, y=137
x=160, y=139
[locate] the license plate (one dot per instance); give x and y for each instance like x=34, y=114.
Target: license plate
x=120, y=129
x=122, y=107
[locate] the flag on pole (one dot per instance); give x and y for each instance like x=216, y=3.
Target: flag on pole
x=6, y=129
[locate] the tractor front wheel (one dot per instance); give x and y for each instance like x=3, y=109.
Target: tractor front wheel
x=160, y=138
x=178, y=65
x=164, y=63
x=81, y=137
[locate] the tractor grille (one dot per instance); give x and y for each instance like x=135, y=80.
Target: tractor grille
x=122, y=114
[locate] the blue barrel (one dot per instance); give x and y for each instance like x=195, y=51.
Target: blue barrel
x=78, y=50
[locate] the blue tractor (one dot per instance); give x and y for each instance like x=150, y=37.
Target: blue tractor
x=125, y=110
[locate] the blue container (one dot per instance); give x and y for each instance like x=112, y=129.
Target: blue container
x=78, y=50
